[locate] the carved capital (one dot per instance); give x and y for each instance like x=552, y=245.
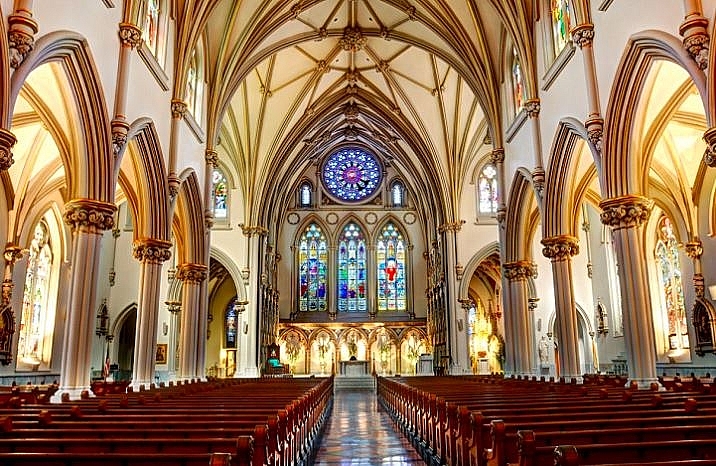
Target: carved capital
x=151, y=250
x=130, y=35
x=12, y=254
x=120, y=129
x=89, y=213
x=497, y=156
x=538, y=177
x=253, y=230
x=173, y=185
x=501, y=214
x=532, y=107
x=193, y=273
x=710, y=154
x=451, y=226
x=21, y=44
x=211, y=157
x=595, y=131
x=7, y=140
x=583, y=35
x=560, y=247
x=174, y=307
x=519, y=270
x=694, y=248
x=178, y=108
x=625, y=211
x=696, y=38
x=208, y=219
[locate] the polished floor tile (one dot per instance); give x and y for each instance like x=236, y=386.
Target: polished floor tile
x=359, y=432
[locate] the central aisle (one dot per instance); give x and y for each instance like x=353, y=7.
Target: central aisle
x=359, y=433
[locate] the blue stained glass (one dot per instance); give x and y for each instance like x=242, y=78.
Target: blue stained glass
x=352, y=174
x=351, y=270
x=390, y=257
x=312, y=257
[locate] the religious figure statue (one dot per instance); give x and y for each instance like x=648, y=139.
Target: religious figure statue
x=543, y=351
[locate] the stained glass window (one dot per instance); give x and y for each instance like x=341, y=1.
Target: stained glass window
x=306, y=195
x=398, y=194
x=150, y=25
x=561, y=17
x=667, y=256
x=312, y=260
x=230, y=324
x=352, y=174
x=220, y=194
x=352, y=270
x=518, y=86
x=487, y=186
x=34, y=345
x=195, y=84
x=390, y=257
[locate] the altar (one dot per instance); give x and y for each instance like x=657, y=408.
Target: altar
x=353, y=368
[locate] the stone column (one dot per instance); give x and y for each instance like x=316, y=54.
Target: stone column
x=560, y=249
x=21, y=32
x=626, y=216
x=174, y=308
x=694, y=30
x=87, y=219
x=178, y=109
x=583, y=36
x=150, y=253
x=130, y=37
x=532, y=108
x=191, y=275
x=456, y=339
x=519, y=339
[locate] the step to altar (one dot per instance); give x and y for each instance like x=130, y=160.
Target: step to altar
x=354, y=382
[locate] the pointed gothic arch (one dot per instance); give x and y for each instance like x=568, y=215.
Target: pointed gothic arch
x=523, y=214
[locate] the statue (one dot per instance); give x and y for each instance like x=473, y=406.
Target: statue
x=543, y=351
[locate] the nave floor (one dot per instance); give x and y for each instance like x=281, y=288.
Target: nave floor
x=359, y=432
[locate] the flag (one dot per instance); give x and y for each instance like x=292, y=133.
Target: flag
x=105, y=372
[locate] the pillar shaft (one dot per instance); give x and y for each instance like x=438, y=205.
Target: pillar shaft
x=518, y=320
x=191, y=275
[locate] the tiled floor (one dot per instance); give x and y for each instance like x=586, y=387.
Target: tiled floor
x=360, y=433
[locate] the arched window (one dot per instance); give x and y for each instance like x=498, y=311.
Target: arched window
x=312, y=260
x=195, y=84
x=231, y=324
x=34, y=345
x=150, y=25
x=390, y=258
x=306, y=194
x=220, y=190
x=487, y=190
x=518, y=85
x=667, y=257
x=352, y=174
x=352, y=270
x=561, y=18
x=397, y=194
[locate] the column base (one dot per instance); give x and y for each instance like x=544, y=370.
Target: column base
x=75, y=393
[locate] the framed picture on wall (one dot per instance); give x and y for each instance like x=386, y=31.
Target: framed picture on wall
x=161, y=357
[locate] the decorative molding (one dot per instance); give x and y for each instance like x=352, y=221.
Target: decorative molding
x=694, y=248
x=595, y=131
x=409, y=218
x=696, y=38
x=253, y=230
x=108, y=3
x=352, y=39
x=21, y=35
x=293, y=218
x=560, y=247
x=451, y=226
x=332, y=218
x=211, y=157
x=155, y=68
x=120, y=129
x=178, y=108
x=497, y=155
x=710, y=153
x=519, y=270
x=583, y=35
x=89, y=213
x=192, y=273
x=538, y=179
x=151, y=250
x=558, y=65
x=516, y=124
x=12, y=254
x=130, y=35
x=532, y=108
x=371, y=218
x=627, y=211
x=605, y=5
x=7, y=141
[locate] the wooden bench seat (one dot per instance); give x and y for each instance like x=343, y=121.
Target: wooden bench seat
x=631, y=453
x=107, y=459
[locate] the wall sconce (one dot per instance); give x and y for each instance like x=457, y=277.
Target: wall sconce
x=246, y=328
x=165, y=328
x=102, y=320
x=240, y=306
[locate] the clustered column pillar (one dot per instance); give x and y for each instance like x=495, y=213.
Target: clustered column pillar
x=150, y=253
x=519, y=348
x=88, y=219
x=626, y=216
x=192, y=275
x=560, y=249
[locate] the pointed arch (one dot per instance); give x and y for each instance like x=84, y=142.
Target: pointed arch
x=147, y=172
x=335, y=236
x=188, y=220
x=86, y=178
x=561, y=206
x=230, y=265
x=523, y=215
x=471, y=266
x=622, y=162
